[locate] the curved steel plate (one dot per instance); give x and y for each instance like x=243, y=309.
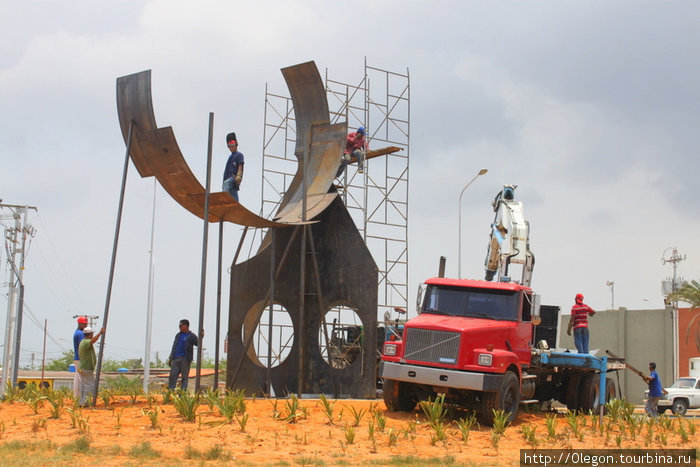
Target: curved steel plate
x=155, y=152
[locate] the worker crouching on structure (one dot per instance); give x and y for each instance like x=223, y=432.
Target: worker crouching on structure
x=579, y=322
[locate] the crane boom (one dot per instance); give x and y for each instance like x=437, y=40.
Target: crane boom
x=510, y=239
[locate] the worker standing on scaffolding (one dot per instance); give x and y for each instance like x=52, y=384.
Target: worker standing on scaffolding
x=233, y=172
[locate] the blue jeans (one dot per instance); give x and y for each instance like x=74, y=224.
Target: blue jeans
x=179, y=366
x=231, y=187
x=581, y=339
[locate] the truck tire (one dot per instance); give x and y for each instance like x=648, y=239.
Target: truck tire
x=679, y=407
x=573, y=391
x=507, y=398
x=590, y=392
x=397, y=397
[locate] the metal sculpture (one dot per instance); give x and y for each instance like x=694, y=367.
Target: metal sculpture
x=329, y=265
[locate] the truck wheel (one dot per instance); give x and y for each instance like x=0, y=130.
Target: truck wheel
x=573, y=391
x=590, y=392
x=397, y=397
x=679, y=407
x=507, y=398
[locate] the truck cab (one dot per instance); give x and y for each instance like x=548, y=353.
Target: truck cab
x=470, y=341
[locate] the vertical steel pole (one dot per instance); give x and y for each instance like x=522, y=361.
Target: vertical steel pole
x=218, y=304
x=43, y=353
x=273, y=246
x=115, y=244
x=205, y=239
x=149, y=305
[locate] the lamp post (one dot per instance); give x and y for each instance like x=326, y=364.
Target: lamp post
x=459, y=228
x=611, y=284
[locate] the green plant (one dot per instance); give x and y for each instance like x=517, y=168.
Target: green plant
x=211, y=396
x=294, y=409
x=434, y=410
x=11, y=393
x=618, y=440
x=327, y=408
x=39, y=424
x=465, y=426
x=119, y=414
x=495, y=438
x=380, y=419
x=438, y=434
x=551, y=424
x=55, y=399
x=186, y=404
x=33, y=398
x=500, y=420
x=663, y=438
x=152, y=415
x=124, y=385
x=357, y=415
x=393, y=437
x=683, y=433
x=275, y=412
x=350, y=434
x=529, y=435
x=573, y=421
x=167, y=396
x=242, y=421
x=106, y=395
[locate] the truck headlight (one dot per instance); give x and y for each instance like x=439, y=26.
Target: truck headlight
x=390, y=349
x=485, y=359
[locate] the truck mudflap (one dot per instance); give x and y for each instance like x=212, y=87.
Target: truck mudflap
x=442, y=377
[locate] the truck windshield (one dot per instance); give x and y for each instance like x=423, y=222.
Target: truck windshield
x=478, y=303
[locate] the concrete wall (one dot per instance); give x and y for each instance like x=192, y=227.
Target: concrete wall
x=640, y=336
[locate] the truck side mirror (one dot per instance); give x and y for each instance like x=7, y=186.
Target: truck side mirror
x=536, y=318
x=419, y=298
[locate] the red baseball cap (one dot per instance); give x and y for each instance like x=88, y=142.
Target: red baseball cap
x=82, y=319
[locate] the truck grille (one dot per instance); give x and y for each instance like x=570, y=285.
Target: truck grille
x=432, y=346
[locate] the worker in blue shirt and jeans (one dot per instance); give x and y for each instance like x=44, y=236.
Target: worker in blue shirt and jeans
x=656, y=390
x=181, y=355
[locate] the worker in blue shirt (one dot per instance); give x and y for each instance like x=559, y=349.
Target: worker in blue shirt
x=656, y=390
x=181, y=355
x=233, y=172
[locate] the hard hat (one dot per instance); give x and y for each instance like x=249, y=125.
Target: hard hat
x=82, y=320
x=579, y=297
x=361, y=130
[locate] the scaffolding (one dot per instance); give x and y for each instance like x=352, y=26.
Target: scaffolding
x=377, y=199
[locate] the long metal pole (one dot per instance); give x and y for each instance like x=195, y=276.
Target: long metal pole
x=7, y=359
x=115, y=244
x=273, y=246
x=301, y=373
x=205, y=240
x=218, y=304
x=149, y=306
x=20, y=303
x=459, y=228
x=43, y=353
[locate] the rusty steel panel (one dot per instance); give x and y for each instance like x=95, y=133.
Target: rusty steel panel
x=348, y=276
x=308, y=98
x=325, y=147
x=155, y=152
x=134, y=103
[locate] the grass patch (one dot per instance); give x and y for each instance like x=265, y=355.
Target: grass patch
x=144, y=451
x=214, y=453
x=81, y=445
x=413, y=460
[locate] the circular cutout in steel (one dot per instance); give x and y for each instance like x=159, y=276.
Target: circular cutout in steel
x=273, y=337
x=340, y=336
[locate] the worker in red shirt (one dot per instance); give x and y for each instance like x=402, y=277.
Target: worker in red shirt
x=579, y=323
x=355, y=145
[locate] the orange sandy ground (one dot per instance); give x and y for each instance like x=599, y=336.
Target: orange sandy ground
x=311, y=440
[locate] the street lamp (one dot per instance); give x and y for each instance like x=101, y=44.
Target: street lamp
x=459, y=228
x=611, y=284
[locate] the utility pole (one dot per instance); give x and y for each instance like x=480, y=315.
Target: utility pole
x=16, y=245
x=674, y=258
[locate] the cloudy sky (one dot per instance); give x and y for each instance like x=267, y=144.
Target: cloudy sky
x=589, y=107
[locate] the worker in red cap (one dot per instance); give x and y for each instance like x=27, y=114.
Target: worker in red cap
x=77, y=338
x=579, y=322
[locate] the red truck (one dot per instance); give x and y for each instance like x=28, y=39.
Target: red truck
x=482, y=343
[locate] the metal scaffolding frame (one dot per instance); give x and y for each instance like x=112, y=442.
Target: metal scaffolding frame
x=377, y=199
